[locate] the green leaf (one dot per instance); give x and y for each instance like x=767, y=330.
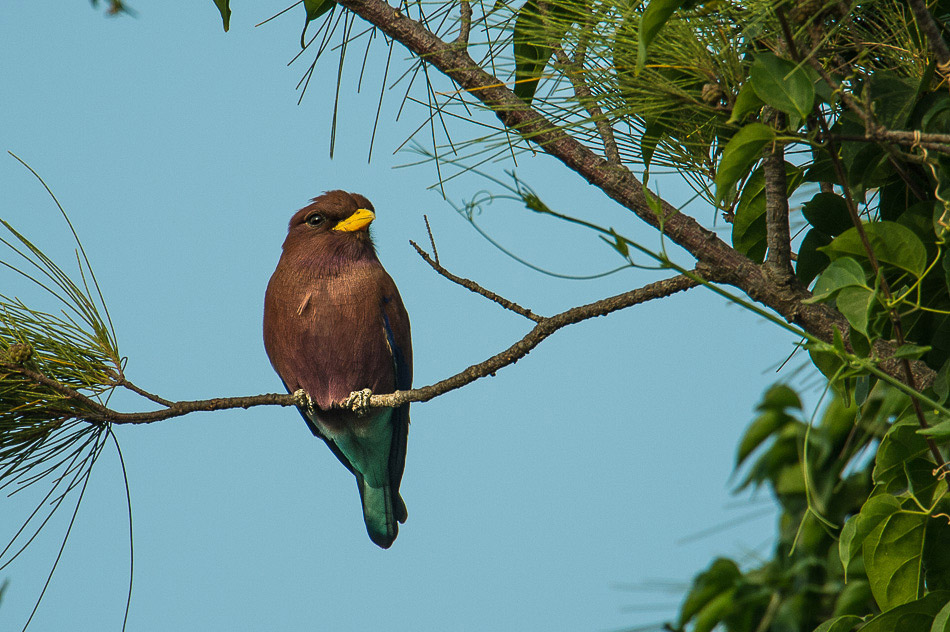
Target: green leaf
x=533, y=36
x=740, y=153
x=942, y=620
x=224, y=7
x=900, y=445
x=892, y=243
x=531, y=53
x=855, y=303
x=721, y=575
x=839, y=624
x=759, y=430
x=782, y=85
x=857, y=528
x=828, y=212
x=893, y=557
x=917, y=616
x=940, y=432
x=937, y=555
x=654, y=17
x=910, y=351
x=747, y=102
x=811, y=261
x=892, y=98
x=652, y=134
x=853, y=599
x=841, y=273
x=714, y=611
x=779, y=397
x=315, y=8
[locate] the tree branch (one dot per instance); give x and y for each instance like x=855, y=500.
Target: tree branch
x=574, y=69
x=475, y=287
x=778, y=237
x=544, y=328
x=926, y=23
x=90, y=410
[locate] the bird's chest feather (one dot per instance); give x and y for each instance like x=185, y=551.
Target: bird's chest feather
x=334, y=333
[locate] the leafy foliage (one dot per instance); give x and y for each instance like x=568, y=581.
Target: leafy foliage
x=858, y=537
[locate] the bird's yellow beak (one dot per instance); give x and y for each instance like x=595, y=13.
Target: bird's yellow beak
x=357, y=221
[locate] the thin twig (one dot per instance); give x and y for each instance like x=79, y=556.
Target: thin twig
x=465, y=24
x=435, y=252
x=475, y=287
x=150, y=396
x=544, y=328
x=573, y=70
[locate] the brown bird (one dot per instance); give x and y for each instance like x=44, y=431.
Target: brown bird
x=334, y=323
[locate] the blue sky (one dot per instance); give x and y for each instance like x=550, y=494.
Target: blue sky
x=560, y=494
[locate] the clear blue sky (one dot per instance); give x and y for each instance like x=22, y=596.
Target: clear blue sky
x=537, y=498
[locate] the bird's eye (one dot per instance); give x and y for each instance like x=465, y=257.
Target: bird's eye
x=316, y=219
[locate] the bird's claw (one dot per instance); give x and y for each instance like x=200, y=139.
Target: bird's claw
x=358, y=401
x=302, y=399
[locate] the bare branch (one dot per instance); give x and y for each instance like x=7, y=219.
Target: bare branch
x=544, y=328
x=475, y=287
x=465, y=24
x=574, y=69
x=777, y=233
x=92, y=411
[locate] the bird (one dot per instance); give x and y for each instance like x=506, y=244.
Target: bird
x=334, y=324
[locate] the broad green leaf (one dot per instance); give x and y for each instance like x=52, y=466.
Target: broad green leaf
x=828, y=212
x=654, y=17
x=855, y=303
x=779, y=397
x=748, y=226
x=224, y=7
x=941, y=383
x=937, y=554
x=652, y=134
x=533, y=37
x=839, y=624
x=759, y=430
x=721, y=575
x=841, y=273
x=740, y=153
x=893, y=558
x=892, y=243
x=892, y=98
x=811, y=261
x=853, y=599
x=714, y=611
x=942, y=620
x=531, y=51
x=747, y=102
x=917, y=616
x=911, y=351
x=315, y=8
x=900, y=445
x=857, y=528
x=782, y=85
x=940, y=432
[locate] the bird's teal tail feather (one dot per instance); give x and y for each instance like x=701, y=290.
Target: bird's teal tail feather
x=381, y=512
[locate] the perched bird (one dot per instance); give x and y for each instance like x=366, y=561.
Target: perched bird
x=334, y=323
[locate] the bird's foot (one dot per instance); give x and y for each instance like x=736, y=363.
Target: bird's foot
x=358, y=402
x=302, y=399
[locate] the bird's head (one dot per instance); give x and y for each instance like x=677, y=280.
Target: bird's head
x=334, y=225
